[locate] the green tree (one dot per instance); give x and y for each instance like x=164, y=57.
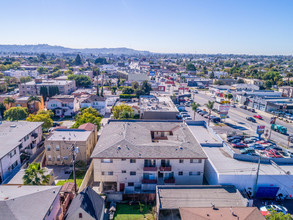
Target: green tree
x=68, y=72
x=88, y=115
x=212, y=75
x=102, y=91
x=146, y=87
x=268, y=84
x=16, y=113
x=278, y=216
x=42, y=70
x=210, y=106
x=101, y=61
x=34, y=99
x=230, y=96
x=80, y=80
x=48, y=122
x=240, y=81
x=122, y=111
x=98, y=92
x=35, y=175
x=135, y=85
x=78, y=60
x=8, y=101
x=2, y=109
x=46, y=112
x=127, y=90
x=25, y=79
x=194, y=107
x=190, y=67
x=44, y=92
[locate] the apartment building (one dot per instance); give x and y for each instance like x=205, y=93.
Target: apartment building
x=97, y=102
x=58, y=146
x=17, y=138
x=65, y=87
x=32, y=106
x=135, y=156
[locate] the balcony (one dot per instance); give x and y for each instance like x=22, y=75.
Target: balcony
x=165, y=168
x=150, y=169
x=147, y=181
x=167, y=181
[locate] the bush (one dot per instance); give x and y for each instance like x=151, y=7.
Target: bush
x=127, y=96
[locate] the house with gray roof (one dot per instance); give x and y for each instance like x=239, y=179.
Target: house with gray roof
x=17, y=140
x=97, y=102
x=29, y=202
x=134, y=156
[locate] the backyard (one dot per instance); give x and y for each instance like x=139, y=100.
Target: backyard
x=79, y=177
x=132, y=212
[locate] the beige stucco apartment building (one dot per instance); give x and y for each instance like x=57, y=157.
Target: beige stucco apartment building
x=135, y=156
x=59, y=145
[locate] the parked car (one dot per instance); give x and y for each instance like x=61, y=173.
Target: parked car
x=216, y=120
x=257, y=116
x=243, y=106
x=179, y=116
x=187, y=119
x=229, y=139
x=253, y=110
x=247, y=150
x=275, y=153
x=268, y=154
x=250, y=119
x=239, y=145
x=203, y=113
x=265, y=210
x=235, y=141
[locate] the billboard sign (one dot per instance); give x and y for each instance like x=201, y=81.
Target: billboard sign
x=260, y=129
x=224, y=108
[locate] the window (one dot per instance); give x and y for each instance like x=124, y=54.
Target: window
x=103, y=173
x=14, y=165
x=181, y=161
x=132, y=160
x=49, y=157
x=48, y=148
x=123, y=159
x=57, y=148
x=58, y=158
x=194, y=173
x=12, y=153
x=195, y=160
x=132, y=173
x=110, y=173
x=65, y=158
x=80, y=215
x=123, y=171
x=130, y=184
x=107, y=161
x=180, y=173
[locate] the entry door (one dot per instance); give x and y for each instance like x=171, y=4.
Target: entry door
x=122, y=187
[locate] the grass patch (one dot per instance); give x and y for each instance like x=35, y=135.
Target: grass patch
x=79, y=178
x=131, y=212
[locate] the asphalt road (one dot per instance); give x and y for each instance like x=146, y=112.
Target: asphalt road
x=237, y=121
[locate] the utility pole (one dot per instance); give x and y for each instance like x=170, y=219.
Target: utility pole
x=256, y=180
x=73, y=149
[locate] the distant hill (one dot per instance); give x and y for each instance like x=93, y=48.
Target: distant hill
x=45, y=48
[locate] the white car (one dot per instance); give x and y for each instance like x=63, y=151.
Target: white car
x=187, y=119
x=265, y=210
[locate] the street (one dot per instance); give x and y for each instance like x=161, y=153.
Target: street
x=237, y=120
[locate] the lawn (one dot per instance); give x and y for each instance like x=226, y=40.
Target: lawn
x=79, y=177
x=131, y=212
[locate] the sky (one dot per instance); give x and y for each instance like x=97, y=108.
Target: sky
x=165, y=26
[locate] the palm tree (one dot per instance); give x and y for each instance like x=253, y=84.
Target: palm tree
x=210, y=106
x=194, y=107
x=8, y=101
x=2, y=110
x=34, y=99
x=35, y=175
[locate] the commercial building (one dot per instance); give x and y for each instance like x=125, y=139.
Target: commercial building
x=59, y=145
x=18, y=140
x=287, y=91
x=30, y=202
x=157, y=107
x=65, y=87
x=134, y=156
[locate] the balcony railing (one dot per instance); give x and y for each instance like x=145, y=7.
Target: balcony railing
x=165, y=168
x=150, y=169
x=172, y=180
x=149, y=181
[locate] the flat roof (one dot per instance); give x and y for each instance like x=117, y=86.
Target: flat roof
x=174, y=197
x=48, y=82
x=11, y=133
x=69, y=135
x=157, y=104
x=203, y=135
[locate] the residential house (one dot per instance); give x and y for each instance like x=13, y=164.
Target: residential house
x=59, y=145
x=97, y=102
x=18, y=140
x=30, y=202
x=63, y=105
x=87, y=205
x=32, y=106
x=134, y=156
x=65, y=87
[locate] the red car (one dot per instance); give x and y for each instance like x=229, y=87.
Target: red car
x=275, y=153
x=257, y=116
x=268, y=154
x=239, y=145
